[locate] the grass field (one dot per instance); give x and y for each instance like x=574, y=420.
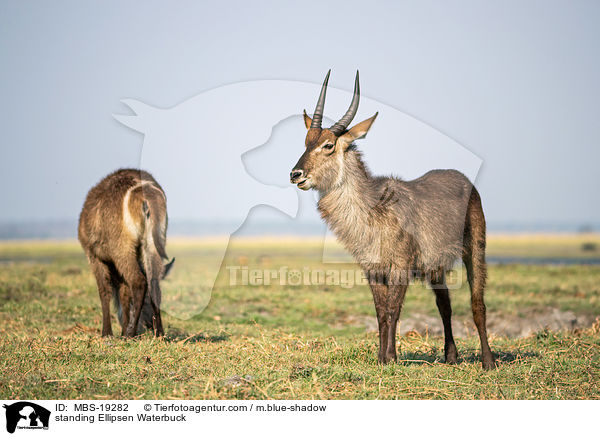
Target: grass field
x=289, y=341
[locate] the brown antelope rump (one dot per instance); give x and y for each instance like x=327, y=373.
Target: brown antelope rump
x=396, y=229
x=122, y=229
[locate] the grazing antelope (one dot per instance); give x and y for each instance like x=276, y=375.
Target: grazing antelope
x=122, y=229
x=396, y=229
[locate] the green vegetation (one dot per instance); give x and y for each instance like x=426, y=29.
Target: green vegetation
x=286, y=341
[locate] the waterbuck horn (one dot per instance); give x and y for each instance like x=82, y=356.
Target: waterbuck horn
x=343, y=123
x=318, y=115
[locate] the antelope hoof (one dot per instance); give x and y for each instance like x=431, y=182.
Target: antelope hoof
x=451, y=355
x=384, y=359
x=489, y=364
x=452, y=360
x=157, y=326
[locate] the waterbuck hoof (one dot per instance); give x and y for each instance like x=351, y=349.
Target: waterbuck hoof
x=388, y=358
x=452, y=359
x=451, y=354
x=489, y=364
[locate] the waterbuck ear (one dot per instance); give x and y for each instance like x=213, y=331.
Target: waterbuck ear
x=359, y=131
x=307, y=120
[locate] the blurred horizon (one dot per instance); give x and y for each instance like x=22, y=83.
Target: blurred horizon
x=67, y=228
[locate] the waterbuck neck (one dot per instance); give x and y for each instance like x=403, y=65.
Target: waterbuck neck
x=353, y=174
x=349, y=203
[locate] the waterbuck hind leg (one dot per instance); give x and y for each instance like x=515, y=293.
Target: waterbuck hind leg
x=442, y=300
x=136, y=282
x=153, y=268
x=476, y=279
x=474, y=260
x=125, y=296
x=105, y=290
x=156, y=319
x=157, y=323
x=139, y=291
x=479, y=316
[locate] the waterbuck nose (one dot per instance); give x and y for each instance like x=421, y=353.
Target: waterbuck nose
x=296, y=174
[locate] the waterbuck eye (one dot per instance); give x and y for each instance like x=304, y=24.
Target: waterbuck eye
x=328, y=146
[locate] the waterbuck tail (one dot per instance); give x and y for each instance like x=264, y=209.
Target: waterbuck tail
x=145, y=219
x=153, y=253
x=154, y=210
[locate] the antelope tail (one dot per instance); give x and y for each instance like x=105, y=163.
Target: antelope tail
x=154, y=241
x=145, y=219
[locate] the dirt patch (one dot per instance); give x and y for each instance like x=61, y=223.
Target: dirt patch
x=525, y=323
x=518, y=325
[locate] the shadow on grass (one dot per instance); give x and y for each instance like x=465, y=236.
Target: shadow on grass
x=176, y=335
x=469, y=357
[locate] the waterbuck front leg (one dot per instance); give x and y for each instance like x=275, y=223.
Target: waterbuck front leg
x=103, y=279
x=396, y=293
x=380, y=291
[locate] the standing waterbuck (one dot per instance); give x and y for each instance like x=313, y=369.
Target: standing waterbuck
x=396, y=229
x=122, y=229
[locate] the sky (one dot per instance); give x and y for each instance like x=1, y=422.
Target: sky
x=514, y=83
